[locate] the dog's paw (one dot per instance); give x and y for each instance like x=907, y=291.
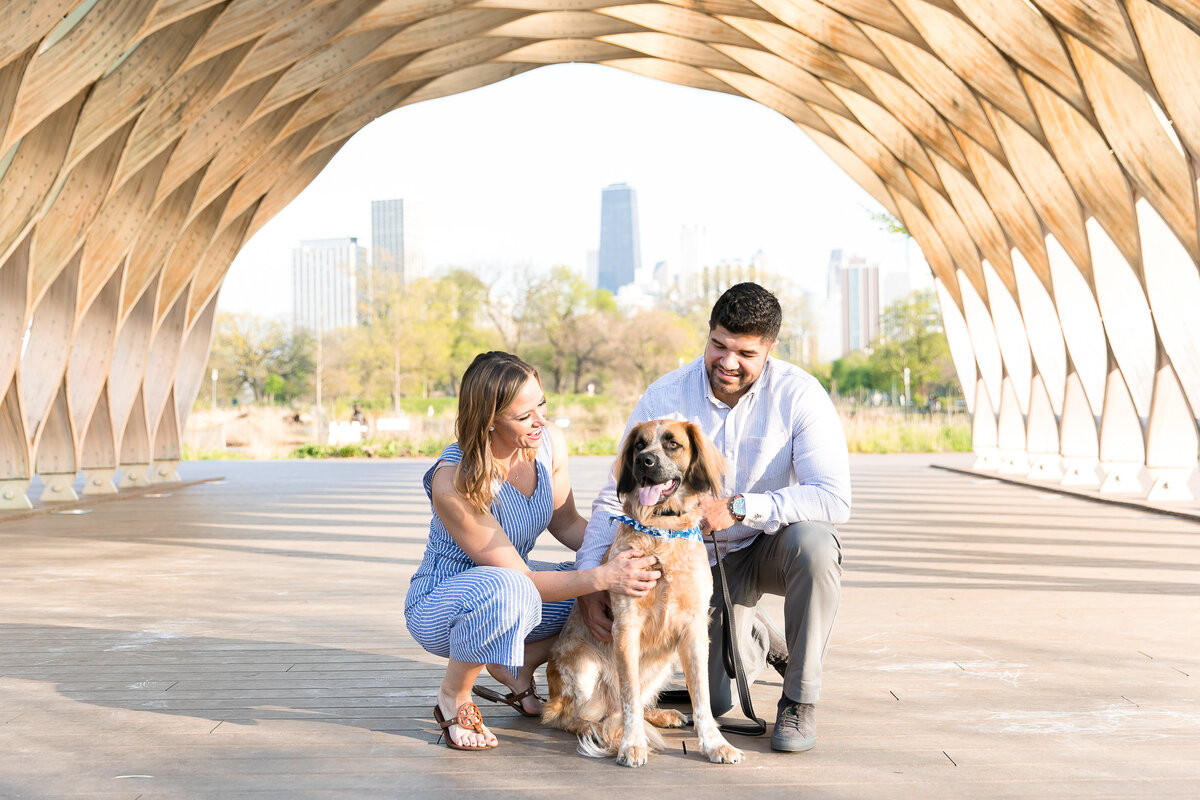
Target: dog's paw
x=666, y=718
x=633, y=755
x=724, y=753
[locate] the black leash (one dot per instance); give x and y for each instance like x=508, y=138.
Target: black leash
x=733, y=658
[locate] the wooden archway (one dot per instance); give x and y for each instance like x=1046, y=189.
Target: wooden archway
x=1041, y=153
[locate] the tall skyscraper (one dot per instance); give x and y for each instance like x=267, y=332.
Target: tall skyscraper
x=593, y=267
x=397, y=246
x=324, y=279
x=860, y=303
x=829, y=310
x=693, y=251
x=833, y=275
x=620, y=248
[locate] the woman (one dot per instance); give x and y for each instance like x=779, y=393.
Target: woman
x=477, y=599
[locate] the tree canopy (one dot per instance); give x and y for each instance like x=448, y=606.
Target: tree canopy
x=416, y=339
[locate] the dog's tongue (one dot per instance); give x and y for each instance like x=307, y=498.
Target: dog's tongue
x=650, y=495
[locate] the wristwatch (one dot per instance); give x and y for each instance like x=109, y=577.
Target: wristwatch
x=737, y=507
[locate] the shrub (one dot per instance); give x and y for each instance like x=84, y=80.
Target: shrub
x=595, y=446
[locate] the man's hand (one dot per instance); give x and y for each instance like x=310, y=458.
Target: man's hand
x=716, y=513
x=595, y=611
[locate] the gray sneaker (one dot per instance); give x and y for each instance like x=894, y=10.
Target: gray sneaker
x=795, y=727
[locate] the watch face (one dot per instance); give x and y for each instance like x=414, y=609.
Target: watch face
x=739, y=506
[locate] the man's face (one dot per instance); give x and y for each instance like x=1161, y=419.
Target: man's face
x=734, y=362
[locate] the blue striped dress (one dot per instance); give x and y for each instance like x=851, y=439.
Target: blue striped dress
x=485, y=615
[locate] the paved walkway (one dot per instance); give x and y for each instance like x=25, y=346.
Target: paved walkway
x=245, y=639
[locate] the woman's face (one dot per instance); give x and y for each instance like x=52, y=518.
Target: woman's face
x=522, y=423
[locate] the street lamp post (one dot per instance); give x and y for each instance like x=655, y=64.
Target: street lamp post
x=214, y=388
x=907, y=390
x=320, y=365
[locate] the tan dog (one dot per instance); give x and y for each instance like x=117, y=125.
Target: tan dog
x=605, y=692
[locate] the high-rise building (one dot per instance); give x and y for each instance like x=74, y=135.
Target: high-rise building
x=829, y=311
x=860, y=303
x=833, y=275
x=397, y=246
x=693, y=252
x=620, y=248
x=593, y=267
x=896, y=286
x=324, y=279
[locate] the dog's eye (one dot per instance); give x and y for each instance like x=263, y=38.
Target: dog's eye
x=672, y=445
x=639, y=445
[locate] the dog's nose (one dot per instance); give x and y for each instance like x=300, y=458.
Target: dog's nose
x=647, y=460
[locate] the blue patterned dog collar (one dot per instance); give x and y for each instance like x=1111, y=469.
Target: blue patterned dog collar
x=692, y=534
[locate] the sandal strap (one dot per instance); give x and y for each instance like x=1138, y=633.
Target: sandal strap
x=467, y=717
x=516, y=697
x=512, y=698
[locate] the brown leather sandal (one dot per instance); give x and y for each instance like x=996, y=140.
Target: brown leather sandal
x=511, y=699
x=468, y=718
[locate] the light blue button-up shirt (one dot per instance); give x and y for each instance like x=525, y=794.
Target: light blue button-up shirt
x=783, y=444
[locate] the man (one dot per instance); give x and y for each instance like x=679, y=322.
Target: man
x=787, y=484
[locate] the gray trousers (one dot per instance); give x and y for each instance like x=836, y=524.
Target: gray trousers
x=801, y=562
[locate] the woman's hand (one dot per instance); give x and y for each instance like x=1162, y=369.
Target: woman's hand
x=630, y=572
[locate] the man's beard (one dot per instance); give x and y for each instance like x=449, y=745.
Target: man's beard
x=726, y=388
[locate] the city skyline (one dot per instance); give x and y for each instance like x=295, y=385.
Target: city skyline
x=531, y=199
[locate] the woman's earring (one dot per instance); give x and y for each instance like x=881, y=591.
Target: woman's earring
x=491, y=428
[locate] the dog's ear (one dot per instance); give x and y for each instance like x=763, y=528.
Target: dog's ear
x=707, y=467
x=625, y=481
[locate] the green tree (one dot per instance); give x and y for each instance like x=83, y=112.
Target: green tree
x=408, y=339
x=262, y=355
x=911, y=336
x=470, y=334
x=852, y=373
x=652, y=343
x=418, y=336
x=568, y=318
x=889, y=223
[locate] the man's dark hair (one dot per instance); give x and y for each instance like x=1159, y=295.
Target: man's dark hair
x=747, y=308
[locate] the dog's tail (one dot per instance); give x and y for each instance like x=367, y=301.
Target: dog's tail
x=604, y=738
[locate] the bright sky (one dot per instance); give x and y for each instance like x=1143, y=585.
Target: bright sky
x=510, y=176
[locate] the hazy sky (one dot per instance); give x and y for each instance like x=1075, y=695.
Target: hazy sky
x=510, y=175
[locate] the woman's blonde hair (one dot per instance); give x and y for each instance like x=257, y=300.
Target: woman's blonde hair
x=489, y=386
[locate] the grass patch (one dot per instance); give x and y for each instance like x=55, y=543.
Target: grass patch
x=595, y=446
x=198, y=454
x=593, y=429
x=870, y=432
x=379, y=448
